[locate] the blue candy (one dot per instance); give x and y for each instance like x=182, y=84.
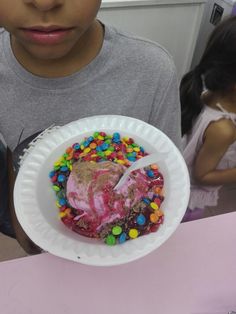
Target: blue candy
x=104, y=146
x=64, y=169
x=62, y=201
x=150, y=174
x=61, y=178
x=90, y=139
x=116, y=135
x=52, y=174
x=122, y=237
x=131, y=158
x=76, y=146
x=98, y=148
x=146, y=200
x=86, y=143
x=141, y=219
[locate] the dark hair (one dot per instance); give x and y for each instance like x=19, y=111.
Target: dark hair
x=217, y=66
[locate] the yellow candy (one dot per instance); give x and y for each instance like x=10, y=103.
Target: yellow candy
x=136, y=149
x=87, y=150
x=154, y=205
x=70, y=167
x=62, y=214
x=133, y=233
x=100, y=137
x=57, y=204
x=125, y=139
x=57, y=163
x=107, y=152
x=120, y=161
x=94, y=155
x=82, y=147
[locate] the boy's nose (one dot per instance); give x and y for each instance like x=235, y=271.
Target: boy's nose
x=45, y=5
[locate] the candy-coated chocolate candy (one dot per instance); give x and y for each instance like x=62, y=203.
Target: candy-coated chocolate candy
x=62, y=214
x=110, y=240
x=54, y=179
x=122, y=237
x=141, y=219
x=131, y=158
x=93, y=145
x=52, y=174
x=61, y=178
x=154, y=205
x=76, y=146
x=116, y=230
x=150, y=174
x=90, y=139
x=69, y=149
x=133, y=233
x=62, y=201
x=154, y=218
x=64, y=168
x=87, y=150
x=159, y=213
x=129, y=149
x=56, y=188
x=157, y=201
x=146, y=200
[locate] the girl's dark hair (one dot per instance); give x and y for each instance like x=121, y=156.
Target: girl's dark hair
x=218, y=68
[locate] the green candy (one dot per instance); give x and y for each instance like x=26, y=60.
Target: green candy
x=110, y=240
x=111, y=148
x=101, y=154
x=95, y=134
x=116, y=230
x=56, y=188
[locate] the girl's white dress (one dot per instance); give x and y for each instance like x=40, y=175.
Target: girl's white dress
x=202, y=196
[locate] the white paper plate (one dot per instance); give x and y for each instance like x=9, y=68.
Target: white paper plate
x=34, y=198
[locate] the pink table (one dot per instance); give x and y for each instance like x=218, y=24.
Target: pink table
x=194, y=272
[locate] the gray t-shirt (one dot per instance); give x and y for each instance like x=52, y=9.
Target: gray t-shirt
x=130, y=76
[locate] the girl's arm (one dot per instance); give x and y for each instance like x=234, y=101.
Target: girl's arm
x=21, y=236
x=218, y=137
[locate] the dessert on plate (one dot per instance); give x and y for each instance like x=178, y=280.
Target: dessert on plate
x=84, y=179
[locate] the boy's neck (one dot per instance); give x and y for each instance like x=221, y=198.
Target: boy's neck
x=86, y=49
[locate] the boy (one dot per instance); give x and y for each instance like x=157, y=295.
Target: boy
x=58, y=63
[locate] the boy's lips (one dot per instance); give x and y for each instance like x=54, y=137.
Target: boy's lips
x=46, y=35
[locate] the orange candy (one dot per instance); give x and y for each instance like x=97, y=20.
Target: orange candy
x=154, y=218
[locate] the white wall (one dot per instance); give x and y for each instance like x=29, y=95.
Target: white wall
x=174, y=24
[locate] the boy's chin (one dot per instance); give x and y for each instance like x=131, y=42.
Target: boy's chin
x=51, y=53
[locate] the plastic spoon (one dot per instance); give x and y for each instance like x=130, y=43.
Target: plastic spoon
x=140, y=163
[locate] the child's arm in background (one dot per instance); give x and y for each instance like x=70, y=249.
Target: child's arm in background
x=21, y=236
x=218, y=137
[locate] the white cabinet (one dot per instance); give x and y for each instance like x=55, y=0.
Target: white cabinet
x=174, y=24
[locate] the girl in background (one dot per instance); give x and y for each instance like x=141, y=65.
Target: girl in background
x=208, y=105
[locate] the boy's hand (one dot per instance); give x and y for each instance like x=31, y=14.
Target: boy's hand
x=29, y=246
